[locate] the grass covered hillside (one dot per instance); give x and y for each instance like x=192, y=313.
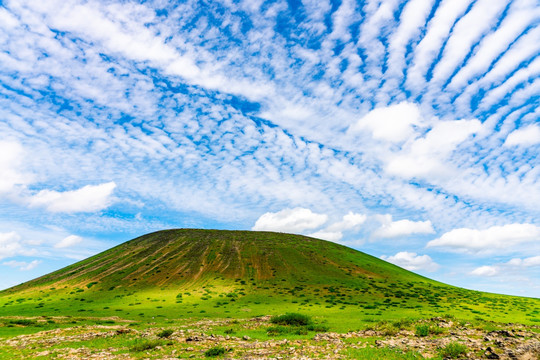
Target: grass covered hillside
x=187, y=273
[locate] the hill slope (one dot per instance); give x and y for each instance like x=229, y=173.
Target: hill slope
x=207, y=273
x=173, y=258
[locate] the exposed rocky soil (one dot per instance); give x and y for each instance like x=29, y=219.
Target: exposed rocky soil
x=192, y=340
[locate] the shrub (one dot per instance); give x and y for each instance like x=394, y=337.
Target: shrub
x=89, y=285
x=453, y=350
x=165, y=333
x=215, y=351
x=145, y=345
x=229, y=331
x=291, y=319
x=23, y=322
x=422, y=330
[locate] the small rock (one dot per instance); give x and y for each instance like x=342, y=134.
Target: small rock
x=245, y=337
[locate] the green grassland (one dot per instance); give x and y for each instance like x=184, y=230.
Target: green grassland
x=180, y=276
x=210, y=273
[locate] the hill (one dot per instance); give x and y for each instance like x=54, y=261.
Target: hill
x=213, y=273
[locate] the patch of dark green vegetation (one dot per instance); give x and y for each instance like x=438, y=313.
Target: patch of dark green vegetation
x=145, y=345
x=216, y=351
x=293, y=319
x=164, y=334
x=295, y=323
x=454, y=350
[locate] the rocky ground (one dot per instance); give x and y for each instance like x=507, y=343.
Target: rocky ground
x=195, y=340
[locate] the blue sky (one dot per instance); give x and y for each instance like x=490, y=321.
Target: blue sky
x=405, y=129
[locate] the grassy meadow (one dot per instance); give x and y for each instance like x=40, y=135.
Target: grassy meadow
x=176, y=279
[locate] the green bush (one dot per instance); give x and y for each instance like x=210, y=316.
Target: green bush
x=23, y=322
x=422, y=330
x=165, y=333
x=291, y=319
x=215, y=351
x=454, y=350
x=89, y=285
x=145, y=345
x=229, y=331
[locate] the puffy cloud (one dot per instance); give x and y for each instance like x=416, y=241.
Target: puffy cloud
x=89, y=198
x=296, y=220
x=412, y=261
x=390, y=229
x=485, y=271
x=509, y=268
x=10, y=244
x=527, y=136
x=493, y=239
x=10, y=161
x=526, y=262
x=350, y=221
x=22, y=265
x=68, y=241
x=334, y=232
x=427, y=155
x=393, y=123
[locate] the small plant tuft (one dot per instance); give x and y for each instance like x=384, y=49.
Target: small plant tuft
x=23, y=322
x=422, y=330
x=164, y=334
x=216, y=351
x=294, y=319
x=454, y=350
x=145, y=345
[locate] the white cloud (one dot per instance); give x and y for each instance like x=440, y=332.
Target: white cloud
x=485, y=271
x=350, y=221
x=521, y=15
x=527, y=136
x=11, y=153
x=296, y=220
x=412, y=261
x=23, y=265
x=427, y=156
x=513, y=267
x=526, y=262
x=493, y=239
x=89, y=198
x=390, y=229
x=68, y=241
x=393, y=123
x=438, y=29
x=10, y=244
x=334, y=232
x=465, y=34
